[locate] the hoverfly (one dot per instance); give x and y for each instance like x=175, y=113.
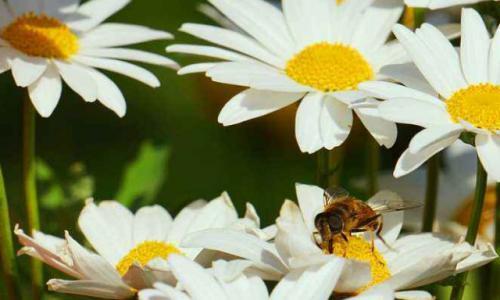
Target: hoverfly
x=344, y=215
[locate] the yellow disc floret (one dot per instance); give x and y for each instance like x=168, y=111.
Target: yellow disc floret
x=359, y=249
x=144, y=253
x=477, y=104
x=329, y=67
x=41, y=35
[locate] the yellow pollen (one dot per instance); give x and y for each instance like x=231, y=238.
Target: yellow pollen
x=477, y=104
x=41, y=35
x=329, y=67
x=144, y=253
x=359, y=249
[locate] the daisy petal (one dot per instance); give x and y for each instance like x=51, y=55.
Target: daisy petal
x=180, y=225
x=488, y=149
x=115, y=34
x=388, y=90
x=414, y=295
x=131, y=55
x=21, y=7
x=335, y=122
x=120, y=67
x=108, y=227
x=89, y=288
x=475, y=47
x=46, y=92
x=196, y=68
x=378, y=292
x=307, y=126
x=432, y=135
x=26, y=69
x=408, y=161
x=59, y=8
x=311, y=202
x=151, y=223
x=209, y=51
x=409, y=75
x=253, y=103
x=494, y=65
x=151, y=294
x=316, y=282
x=410, y=111
x=79, y=79
x=95, y=12
x=108, y=93
x=198, y=283
x=171, y=292
x=385, y=132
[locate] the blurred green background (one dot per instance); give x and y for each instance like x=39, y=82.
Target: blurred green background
x=168, y=149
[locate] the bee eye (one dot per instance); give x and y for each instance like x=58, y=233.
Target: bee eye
x=335, y=223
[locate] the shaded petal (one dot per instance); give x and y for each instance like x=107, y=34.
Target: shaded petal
x=307, y=120
x=385, y=132
x=151, y=223
x=108, y=93
x=131, y=55
x=475, y=47
x=46, y=91
x=92, y=13
x=432, y=135
x=311, y=202
x=79, y=79
x=488, y=149
x=335, y=123
x=26, y=69
x=410, y=111
x=92, y=288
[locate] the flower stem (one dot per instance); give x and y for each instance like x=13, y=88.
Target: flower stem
x=413, y=17
x=373, y=165
x=495, y=266
x=431, y=194
x=472, y=231
x=29, y=188
x=9, y=264
x=329, y=167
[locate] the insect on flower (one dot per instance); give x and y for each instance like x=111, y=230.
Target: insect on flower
x=344, y=215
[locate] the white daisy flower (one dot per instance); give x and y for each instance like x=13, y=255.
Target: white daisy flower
x=45, y=42
x=414, y=260
x=131, y=248
x=469, y=82
x=437, y=4
x=314, y=51
x=313, y=283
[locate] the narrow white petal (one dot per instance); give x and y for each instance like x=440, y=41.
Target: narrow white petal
x=46, y=91
x=494, y=63
x=414, y=295
x=383, y=131
x=209, y=51
x=408, y=161
x=151, y=223
x=196, y=68
x=120, y=67
x=170, y=291
x=90, y=288
x=108, y=227
x=181, y=222
x=433, y=135
x=255, y=75
x=388, y=90
x=307, y=120
x=59, y=8
x=26, y=69
x=475, y=47
x=335, y=122
x=410, y=111
x=311, y=202
x=131, y=55
x=95, y=12
x=233, y=40
x=79, y=79
x=108, y=93
x=198, y=282
x=488, y=149
x=152, y=294
x=252, y=103
x=378, y=292
x=115, y=34
x=409, y=75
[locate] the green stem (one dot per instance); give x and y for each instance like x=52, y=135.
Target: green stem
x=472, y=231
x=495, y=266
x=9, y=264
x=373, y=165
x=431, y=194
x=29, y=188
x=329, y=167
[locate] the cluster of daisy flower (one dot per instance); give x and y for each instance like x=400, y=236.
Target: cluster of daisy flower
x=337, y=60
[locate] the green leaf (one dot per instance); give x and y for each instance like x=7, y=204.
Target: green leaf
x=144, y=177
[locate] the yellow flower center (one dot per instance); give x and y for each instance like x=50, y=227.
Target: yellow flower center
x=41, y=35
x=329, y=67
x=477, y=104
x=359, y=249
x=144, y=253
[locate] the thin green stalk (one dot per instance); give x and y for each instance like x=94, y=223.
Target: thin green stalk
x=329, y=167
x=472, y=231
x=495, y=266
x=431, y=194
x=373, y=165
x=413, y=17
x=29, y=188
x=9, y=263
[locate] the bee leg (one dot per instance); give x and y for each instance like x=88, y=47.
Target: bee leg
x=344, y=236
x=372, y=238
x=330, y=246
x=379, y=230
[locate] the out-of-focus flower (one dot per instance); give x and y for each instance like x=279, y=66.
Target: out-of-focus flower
x=131, y=248
x=413, y=261
x=436, y=4
x=317, y=52
x=197, y=283
x=456, y=191
x=469, y=82
x=45, y=42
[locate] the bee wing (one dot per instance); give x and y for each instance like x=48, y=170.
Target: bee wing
x=387, y=201
x=333, y=193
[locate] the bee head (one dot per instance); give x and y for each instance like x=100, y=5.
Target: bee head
x=333, y=221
